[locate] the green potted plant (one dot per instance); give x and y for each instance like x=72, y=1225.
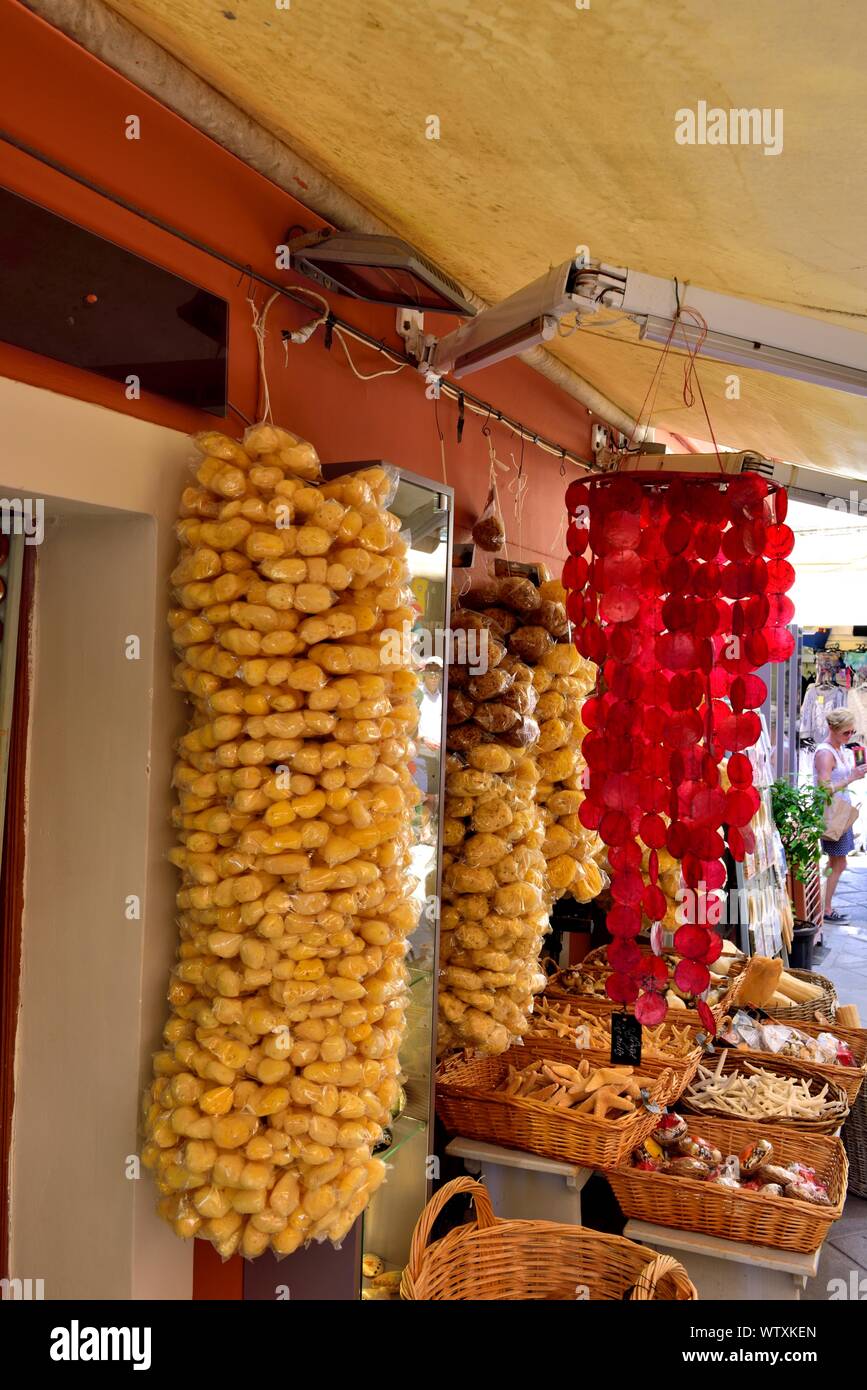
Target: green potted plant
x=799, y=813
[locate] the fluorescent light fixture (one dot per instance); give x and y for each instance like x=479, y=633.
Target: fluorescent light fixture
x=380, y=269
x=539, y=330
x=761, y=356
x=520, y=322
x=738, y=331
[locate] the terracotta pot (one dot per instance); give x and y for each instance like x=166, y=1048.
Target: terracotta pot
x=806, y=897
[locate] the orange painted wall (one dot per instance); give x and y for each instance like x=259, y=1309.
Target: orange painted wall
x=64, y=103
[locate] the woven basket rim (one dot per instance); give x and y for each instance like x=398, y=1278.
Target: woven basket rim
x=577, y=1002
x=800, y=974
x=741, y=1060
x=536, y=1106
x=835, y=1167
x=784, y=1066
x=469, y=1231
x=429, y=1259
x=553, y=991
x=839, y=1068
x=851, y=1035
x=833, y=1072
x=831, y=1213
x=658, y=1060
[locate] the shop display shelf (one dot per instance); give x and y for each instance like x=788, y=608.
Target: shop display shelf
x=405, y=1127
x=419, y=975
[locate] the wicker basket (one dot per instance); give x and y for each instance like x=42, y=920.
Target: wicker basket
x=492, y=1260
x=784, y=1223
x=825, y=1007
x=854, y=1134
x=467, y=1104
x=855, y=1141
x=679, y=1071
x=603, y=1008
x=849, y=1079
x=597, y=1002
x=743, y=1061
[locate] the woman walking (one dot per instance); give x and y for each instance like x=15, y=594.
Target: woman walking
x=834, y=767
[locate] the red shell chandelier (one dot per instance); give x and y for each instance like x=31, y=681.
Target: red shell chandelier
x=676, y=588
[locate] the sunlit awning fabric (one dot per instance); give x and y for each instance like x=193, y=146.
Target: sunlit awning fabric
x=498, y=136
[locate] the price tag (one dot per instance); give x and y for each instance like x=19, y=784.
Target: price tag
x=625, y=1040
x=651, y=1106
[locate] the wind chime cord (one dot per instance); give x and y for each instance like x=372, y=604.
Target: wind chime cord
x=690, y=371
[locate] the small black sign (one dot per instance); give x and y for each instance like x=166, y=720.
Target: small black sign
x=625, y=1040
x=518, y=569
x=463, y=555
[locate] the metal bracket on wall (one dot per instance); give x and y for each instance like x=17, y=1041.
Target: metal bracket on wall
x=410, y=327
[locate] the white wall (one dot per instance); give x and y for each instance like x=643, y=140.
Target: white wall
x=102, y=727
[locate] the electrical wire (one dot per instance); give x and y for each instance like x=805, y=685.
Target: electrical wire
x=260, y=329
x=474, y=404
x=306, y=331
x=365, y=376
x=442, y=440
x=608, y=323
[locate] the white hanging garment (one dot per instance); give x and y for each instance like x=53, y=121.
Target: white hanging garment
x=818, y=703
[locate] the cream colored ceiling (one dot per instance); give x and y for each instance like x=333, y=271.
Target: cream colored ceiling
x=557, y=129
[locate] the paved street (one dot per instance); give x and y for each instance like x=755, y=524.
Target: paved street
x=843, y=958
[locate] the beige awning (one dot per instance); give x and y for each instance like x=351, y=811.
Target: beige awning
x=557, y=128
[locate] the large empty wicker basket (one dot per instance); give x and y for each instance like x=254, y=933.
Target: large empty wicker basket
x=493, y=1260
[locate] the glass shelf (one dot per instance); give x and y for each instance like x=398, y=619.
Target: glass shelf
x=405, y=1127
x=425, y=509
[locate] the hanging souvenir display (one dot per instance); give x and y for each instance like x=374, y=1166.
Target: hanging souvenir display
x=488, y=531
x=677, y=591
x=280, y=1072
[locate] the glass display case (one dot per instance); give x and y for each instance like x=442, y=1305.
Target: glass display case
x=426, y=510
